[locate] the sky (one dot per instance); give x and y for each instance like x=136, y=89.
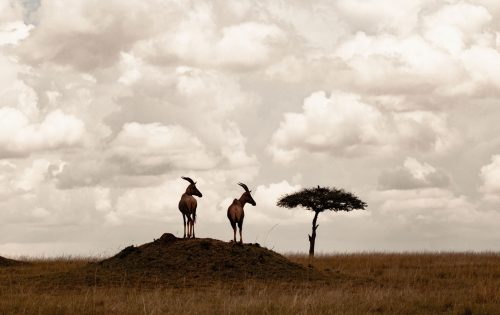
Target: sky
x=104, y=105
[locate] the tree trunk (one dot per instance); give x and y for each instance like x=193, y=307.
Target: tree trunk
x=312, y=237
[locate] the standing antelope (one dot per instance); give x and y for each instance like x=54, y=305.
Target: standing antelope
x=187, y=206
x=235, y=212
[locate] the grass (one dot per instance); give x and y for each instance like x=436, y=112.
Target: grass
x=372, y=283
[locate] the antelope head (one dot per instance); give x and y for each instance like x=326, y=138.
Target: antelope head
x=191, y=189
x=247, y=197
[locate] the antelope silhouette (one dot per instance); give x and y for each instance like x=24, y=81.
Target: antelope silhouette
x=187, y=206
x=235, y=212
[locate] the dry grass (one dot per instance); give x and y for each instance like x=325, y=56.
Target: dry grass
x=414, y=283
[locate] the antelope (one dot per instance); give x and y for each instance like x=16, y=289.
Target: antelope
x=235, y=212
x=187, y=206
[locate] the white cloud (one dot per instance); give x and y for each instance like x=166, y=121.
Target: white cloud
x=445, y=49
x=12, y=33
x=480, y=62
x=150, y=148
x=381, y=15
x=490, y=176
x=213, y=98
x=157, y=203
x=418, y=170
x=195, y=98
x=290, y=69
x=87, y=170
x=40, y=213
x=14, y=91
x=145, y=151
x=31, y=177
x=427, y=205
x=335, y=124
x=10, y=10
x=343, y=124
x=86, y=34
x=413, y=174
x=102, y=199
x=247, y=44
x=266, y=197
x=19, y=136
x=386, y=63
x=131, y=66
x=453, y=26
x=17, y=179
x=207, y=92
x=199, y=40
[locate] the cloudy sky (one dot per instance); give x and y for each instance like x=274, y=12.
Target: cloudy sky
x=105, y=104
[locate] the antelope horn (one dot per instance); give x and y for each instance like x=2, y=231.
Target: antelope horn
x=244, y=187
x=188, y=179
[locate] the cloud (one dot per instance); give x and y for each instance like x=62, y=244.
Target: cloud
x=144, y=203
x=413, y=174
x=210, y=93
x=200, y=39
x=10, y=11
x=248, y=44
x=195, y=98
x=267, y=196
x=15, y=93
x=343, y=124
x=33, y=176
x=87, y=170
x=139, y=150
x=440, y=50
x=454, y=26
x=409, y=63
x=86, y=34
x=21, y=180
x=19, y=136
x=490, y=177
x=103, y=199
x=152, y=148
x=12, y=32
x=427, y=205
x=380, y=15
x=480, y=62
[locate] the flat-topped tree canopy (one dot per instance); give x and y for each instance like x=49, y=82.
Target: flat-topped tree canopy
x=319, y=199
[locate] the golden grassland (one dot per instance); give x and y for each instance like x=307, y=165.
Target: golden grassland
x=371, y=283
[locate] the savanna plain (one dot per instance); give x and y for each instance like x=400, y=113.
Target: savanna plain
x=368, y=283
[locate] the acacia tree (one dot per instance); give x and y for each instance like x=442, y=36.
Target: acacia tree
x=318, y=200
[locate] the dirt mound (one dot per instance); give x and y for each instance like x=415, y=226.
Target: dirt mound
x=169, y=259
x=5, y=262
